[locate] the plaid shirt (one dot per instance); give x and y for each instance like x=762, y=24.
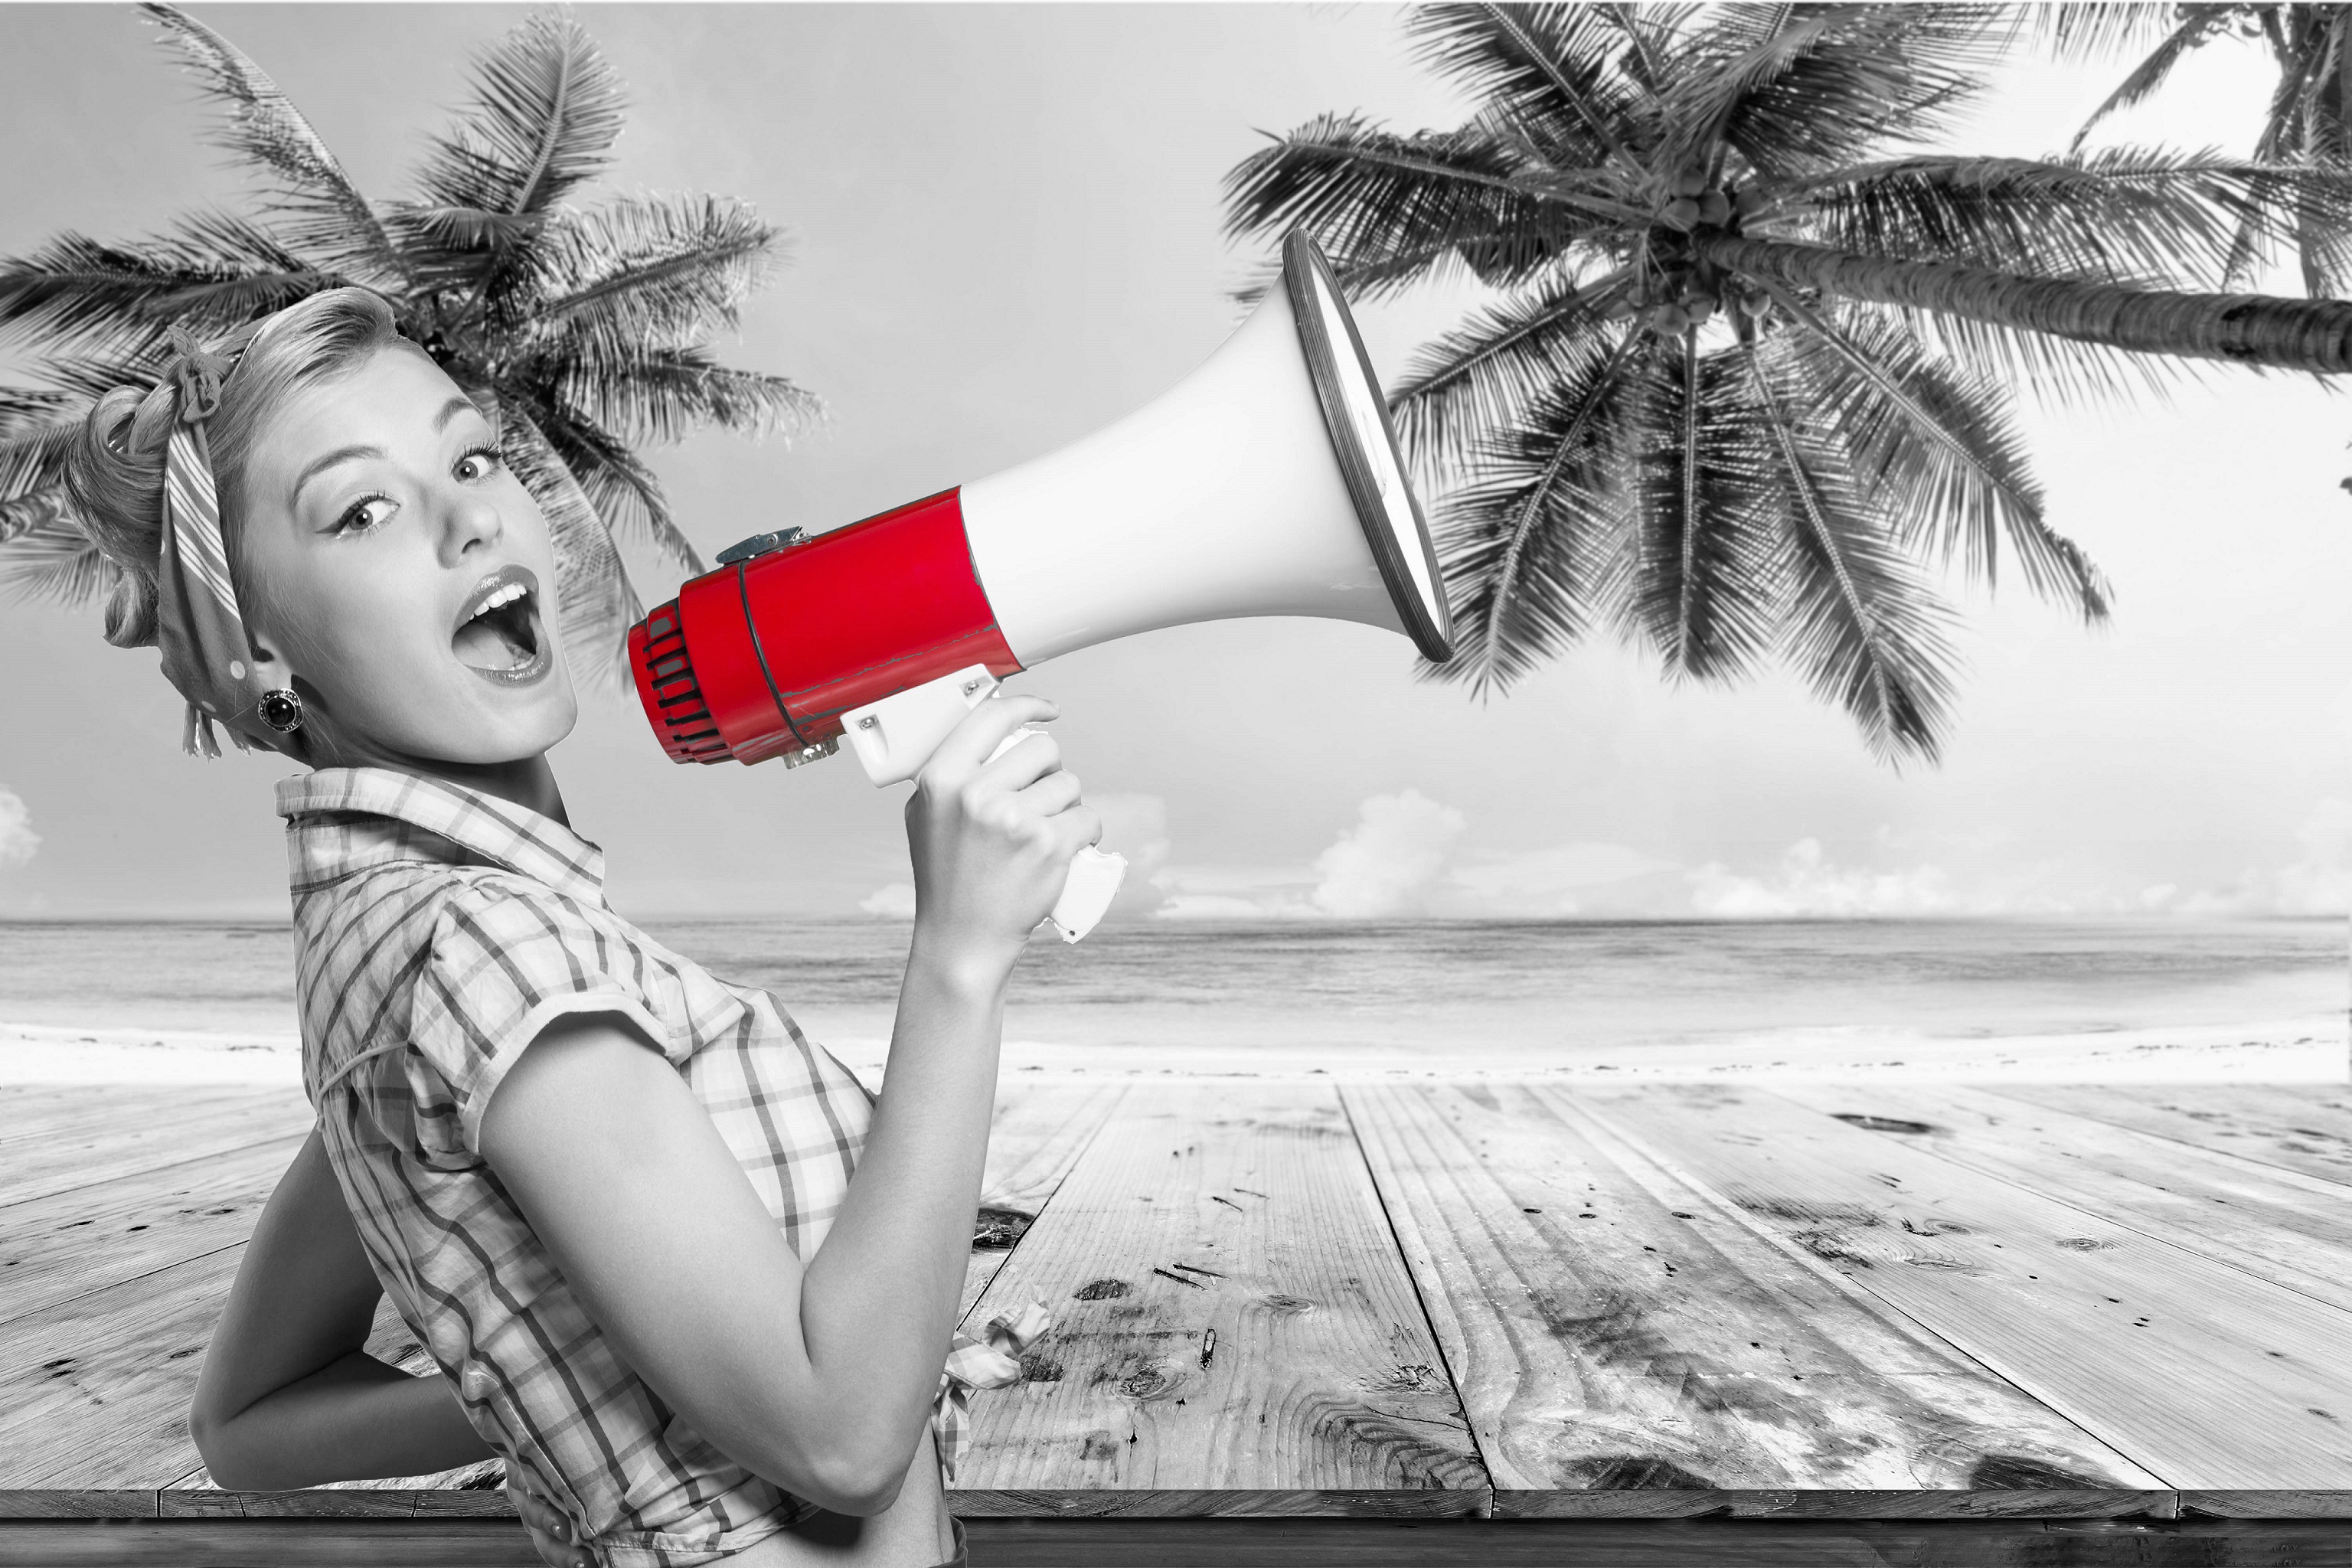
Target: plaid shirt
x=438, y=931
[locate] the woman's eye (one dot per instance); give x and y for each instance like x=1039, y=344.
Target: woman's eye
x=368, y=512
x=478, y=463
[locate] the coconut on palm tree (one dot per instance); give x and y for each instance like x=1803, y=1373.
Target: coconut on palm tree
x=1750, y=384
x=582, y=332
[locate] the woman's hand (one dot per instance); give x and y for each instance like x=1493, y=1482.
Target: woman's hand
x=550, y=1531
x=992, y=841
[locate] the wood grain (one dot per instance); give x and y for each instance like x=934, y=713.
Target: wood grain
x=94, y=1391
x=1245, y=1210
x=1279, y=1544
x=1035, y=1137
x=2212, y=1379
x=2279, y=1225
x=55, y=1248
x=1625, y=1345
x=128, y=1140
x=2301, y=1127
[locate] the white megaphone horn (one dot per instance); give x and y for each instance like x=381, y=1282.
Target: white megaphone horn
x=1267, y=482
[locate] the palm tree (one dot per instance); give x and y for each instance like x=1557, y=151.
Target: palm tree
x=1750, y=379
x=2309, y=121
x=584, y=329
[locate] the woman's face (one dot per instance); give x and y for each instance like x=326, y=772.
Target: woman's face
x=404, y=573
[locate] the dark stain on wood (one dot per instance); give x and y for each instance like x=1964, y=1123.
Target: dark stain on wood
x=1100, y=1289
x=2017, y=1472
x=1637, y=1472
x=1282, y=1303
x=1036, y=1368
x=1099, y=1444
x=1882, y=1123
x=995, y=1228
x=1180, y=1279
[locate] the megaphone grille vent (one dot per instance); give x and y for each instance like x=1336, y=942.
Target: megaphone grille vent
x=672, y=695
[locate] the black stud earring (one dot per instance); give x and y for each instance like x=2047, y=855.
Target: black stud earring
x=281, y=710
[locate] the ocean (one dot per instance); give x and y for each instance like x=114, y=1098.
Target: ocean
x=1517, y=990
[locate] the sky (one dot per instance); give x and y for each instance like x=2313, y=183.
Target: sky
x=1004, y=230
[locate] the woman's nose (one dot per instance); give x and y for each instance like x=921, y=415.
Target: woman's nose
x=473, y=520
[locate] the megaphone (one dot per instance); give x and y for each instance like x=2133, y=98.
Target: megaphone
x=1267, y=482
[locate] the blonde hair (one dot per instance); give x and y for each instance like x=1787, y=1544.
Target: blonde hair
x=115, y=466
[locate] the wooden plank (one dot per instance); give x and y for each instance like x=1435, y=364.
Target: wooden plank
x=31, y=1117
x=124, y=1148
x=1626, y=1346
x=2302, y=1127
x=94, y=1391
x=1245, y=1210
x=1035, y=1137
x=1279, y=1544
x=2212, y=1379
x=2275, y=1224
x=55, y=1248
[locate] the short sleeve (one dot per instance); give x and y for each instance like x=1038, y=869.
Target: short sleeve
x=507, y=958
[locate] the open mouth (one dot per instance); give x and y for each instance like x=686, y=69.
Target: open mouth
x=501, y=635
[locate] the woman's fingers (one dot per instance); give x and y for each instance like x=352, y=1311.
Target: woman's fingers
x=1057, y=792
x=549, y=1531
x=983, y=729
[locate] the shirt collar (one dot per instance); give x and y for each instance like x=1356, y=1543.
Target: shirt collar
x=320, y=808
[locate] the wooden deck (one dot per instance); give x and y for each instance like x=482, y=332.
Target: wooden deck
x=1423, y=1324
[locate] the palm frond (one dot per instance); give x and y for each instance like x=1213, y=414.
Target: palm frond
x=1526, y=547
x=663, y=394
x=595, y=602
x=1801, y=88
x=33, y=456
x=210, y=272
x=2094, y=28
x=2141, y=217
x=1366, y=194
x=1702, y=592
x=2072, y=30
x=546, y=110
x=44, y=554
x=621, y=487
x=1480, y=376
x=320, y=215
x=1553, y=69
x=1934, y=449
x=1862, y=629
x=641, y=272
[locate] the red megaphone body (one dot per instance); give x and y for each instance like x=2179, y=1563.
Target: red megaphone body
x=1267, y=483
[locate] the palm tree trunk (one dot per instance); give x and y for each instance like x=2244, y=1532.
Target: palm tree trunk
x=2313, y=335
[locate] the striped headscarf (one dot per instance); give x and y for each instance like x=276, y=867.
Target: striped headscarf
x=207, y=654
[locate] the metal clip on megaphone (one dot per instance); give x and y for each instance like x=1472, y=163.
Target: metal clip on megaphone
x=1267, y=482
x=895, y=737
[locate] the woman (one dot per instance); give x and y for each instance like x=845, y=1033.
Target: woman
x=688, y=1278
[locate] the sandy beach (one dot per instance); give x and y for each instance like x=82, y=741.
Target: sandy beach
x=2308, y=1049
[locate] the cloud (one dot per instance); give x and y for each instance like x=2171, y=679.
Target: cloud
x=2320, y=883
x=1540, y=882
x=17, y=839
x=892, y=901
x=1806, y=883
x=1387, y=863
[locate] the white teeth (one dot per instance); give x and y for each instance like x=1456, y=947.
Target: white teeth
x=505, y=595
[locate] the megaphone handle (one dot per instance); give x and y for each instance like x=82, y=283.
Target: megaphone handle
x=1095, y=874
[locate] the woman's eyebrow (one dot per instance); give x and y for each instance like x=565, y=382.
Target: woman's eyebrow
x=451, y=410
x=339, y=455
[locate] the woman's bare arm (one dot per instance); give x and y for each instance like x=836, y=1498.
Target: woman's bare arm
x=288, y=1397
x=820, y=1378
